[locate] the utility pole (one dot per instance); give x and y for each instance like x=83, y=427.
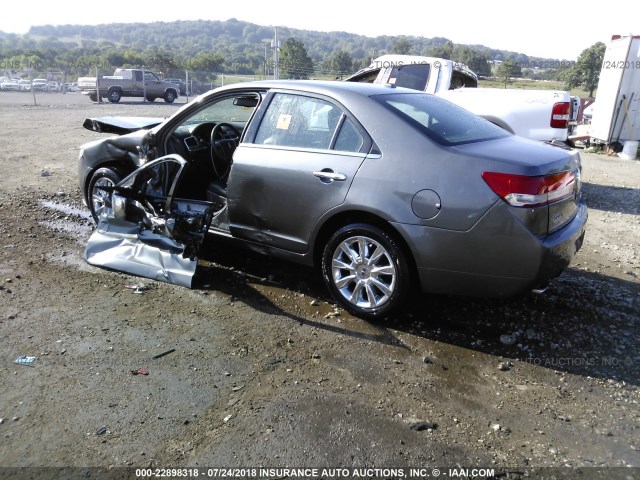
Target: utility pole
x=275, y=44
x=144, y=87
x=266, y=65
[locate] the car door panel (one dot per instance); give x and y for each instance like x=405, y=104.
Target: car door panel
x=277, y=194
x=148, y=232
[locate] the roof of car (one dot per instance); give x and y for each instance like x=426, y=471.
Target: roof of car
x=331, y=87
x=340, y=90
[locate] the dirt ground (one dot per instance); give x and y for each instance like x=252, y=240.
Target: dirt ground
x=261, y=369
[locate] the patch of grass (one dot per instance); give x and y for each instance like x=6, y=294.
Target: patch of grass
x=532, y=85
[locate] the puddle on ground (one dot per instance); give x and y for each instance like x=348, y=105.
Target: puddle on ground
x=67, y=209
x=75, y=225
x=79, y=232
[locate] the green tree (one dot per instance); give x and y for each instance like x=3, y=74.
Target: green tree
x=401, y=46
x=206, y=64
x=159, y=60
x=507, y=70
x=341, y=62
x=294, y=60
x=441, y=51
x=586, y=71
x=472, y=59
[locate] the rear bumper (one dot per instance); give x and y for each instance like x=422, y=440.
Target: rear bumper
x=560, y=247
x=498, y=257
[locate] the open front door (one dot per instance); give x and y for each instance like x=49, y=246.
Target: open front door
x=149, y=231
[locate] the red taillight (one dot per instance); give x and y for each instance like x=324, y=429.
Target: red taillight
x=524, y=191
x=560, y=115
x=560, y=185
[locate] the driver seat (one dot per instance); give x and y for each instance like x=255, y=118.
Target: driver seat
x=217, y=194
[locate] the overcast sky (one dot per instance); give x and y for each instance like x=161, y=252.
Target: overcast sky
x=542, y=28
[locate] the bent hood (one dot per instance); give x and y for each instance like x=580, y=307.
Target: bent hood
x=120, y=125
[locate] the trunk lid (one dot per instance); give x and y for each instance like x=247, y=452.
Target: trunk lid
x=542, y=185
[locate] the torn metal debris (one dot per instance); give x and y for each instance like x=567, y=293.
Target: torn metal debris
x=146, y=231
x=25, y=360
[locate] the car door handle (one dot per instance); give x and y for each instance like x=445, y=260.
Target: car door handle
x=330, y=175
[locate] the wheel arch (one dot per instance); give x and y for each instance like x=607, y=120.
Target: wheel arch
x=341, y=219
x=123, y=166
x=175, y=91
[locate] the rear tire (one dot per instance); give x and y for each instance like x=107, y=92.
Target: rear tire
x=114, y=96
x=93, y=97
x=169, y=96
x=366, y=271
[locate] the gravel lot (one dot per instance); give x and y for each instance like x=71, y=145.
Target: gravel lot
x=263, y=370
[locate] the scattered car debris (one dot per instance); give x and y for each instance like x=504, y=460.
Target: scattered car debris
x=160, y=355
x=505, y=366
x=25, y=360
x=138, y=288
x=140, y=371
x=420, y=426
x=101, y=431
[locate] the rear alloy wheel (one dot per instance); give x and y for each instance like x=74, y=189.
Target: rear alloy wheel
x=365, y=270
x=114, y=96
x=169, y=96
x=99, y=199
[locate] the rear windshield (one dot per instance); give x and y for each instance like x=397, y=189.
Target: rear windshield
x=441, y=120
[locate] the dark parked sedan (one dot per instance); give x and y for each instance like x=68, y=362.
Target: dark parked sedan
x=182, y=86
x=380, y=187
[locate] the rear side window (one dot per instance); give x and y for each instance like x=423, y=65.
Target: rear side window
x=441, y=120
x=307, y=122
x=413, y=75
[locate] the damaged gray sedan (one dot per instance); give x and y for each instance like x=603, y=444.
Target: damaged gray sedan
x=384, y=189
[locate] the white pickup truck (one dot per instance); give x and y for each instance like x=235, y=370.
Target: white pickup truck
x=536, y=114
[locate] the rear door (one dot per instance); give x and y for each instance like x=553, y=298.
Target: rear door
x=294, y=166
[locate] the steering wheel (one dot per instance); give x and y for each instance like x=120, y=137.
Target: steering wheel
x=224, y=140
